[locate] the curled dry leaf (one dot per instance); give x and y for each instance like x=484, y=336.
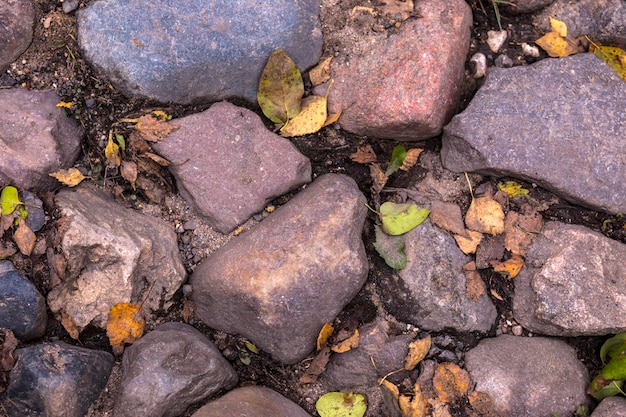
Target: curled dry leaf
x=129, y=172
x=70, y=326
x=469, y=243
x=8, y=344
x=317, y=366
x=321, y=72
x=364, y=155
x=332, y=118
x=379, y=179
x=393, y=389
x=474, y=285
x=70, y=176
x=418, y=350
x=416, y=406
x=350, y=343
x=112, y=154
x=153, y=129
x=24, y=238
x=451, y=382
x=156, y=158
x=509, y=268
x=410, y=159
x=485, y=215
x=125, y=325
x=322, y=337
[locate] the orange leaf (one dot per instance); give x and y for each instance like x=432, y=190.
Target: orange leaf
x=416, y=406
x=153, y=129
x=411, y=158
x=70, y=177
x=125, y=325
x=451, y=382
x=418, y=350
x=509, y=268
x=348, y=344
x=325, y=333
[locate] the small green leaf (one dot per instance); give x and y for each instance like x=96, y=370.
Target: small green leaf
x=280, y=88
x=390, y=248
x=9, y=200
x=121, y=141
x=400, y=218
x=341, y=404
x=613, y=347
x=614, y=371
x=397, y=158
x=251, y=347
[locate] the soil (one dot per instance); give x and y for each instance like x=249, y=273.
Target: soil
x=54, y=62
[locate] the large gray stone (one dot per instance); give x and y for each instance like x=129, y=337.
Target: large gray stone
x=253, y=401
x=17, y=18
x=525, y=376
x=229, y=165
x=281, y=281
x=36, y=138
x=573, y=283
x=169, y=369
x=56, y=380
x=195, y=50
x=541, y=123
x=611, y=407
x=403, y=85
x=22, y=307
x=430, y=292
x=114, y=255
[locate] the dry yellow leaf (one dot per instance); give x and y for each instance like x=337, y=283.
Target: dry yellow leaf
x=451, y=382
x=324, y=334
x=416, y=406
x=65, y=104
x=348, y=344
x=129, y=172
x=321, y=73
x=393, y=389
x=332, y=118
x=70, y=176
x=509, y=268
x=364, y=155
x=418, y=350
x=557, y=46
x=156, y=158
x=615, y=57
x=485, y=215
x=469, y=244
x=310, y=119
x=410, y=159
x=558, y=27
x=24, y=238
x=125, y=325
x=112, y=154
x=153, y=129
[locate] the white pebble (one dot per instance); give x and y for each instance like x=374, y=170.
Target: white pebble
x=479, y=61
x=495, y=39
x=530, y=50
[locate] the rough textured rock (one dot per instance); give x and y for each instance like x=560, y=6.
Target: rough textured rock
x=572, y=284
x=528, y=376
x=611, y=407
x=282, y=280
x=355, y=368
x=195, y=50
x=56, y=379
x=169, y=369
x=430, y=291
x=114, y=255
x=229, y=165
x=17, y=18
x=36, y=138
x=604, y=21
x=539, y=123
x=22, y=307
x=523, y=6
x=379, y=80
x=253, y=401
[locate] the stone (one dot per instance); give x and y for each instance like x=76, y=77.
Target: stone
x=430, y=292
x=114, y=255
x=228, y=165
x=34, y=206
x=169, y=369
x=572, y=284
x=353, y=369
x=601, y=20
x=528, y=376
x=22, y=307
x=540, y=123
x=16, y=30
x=611, y=407
x=524, y=6
x=281, y=281
x=56, y=379
x=195, y=50
x=36, y=138
x=251, y=401
x=403, y=85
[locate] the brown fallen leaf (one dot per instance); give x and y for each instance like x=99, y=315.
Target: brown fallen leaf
x=125, y=325
x=474, y=285
x=189, y=310
x=509, y=268
x=70, y=176
x=345, y=345
x=7, y=249
x=321, y=72
x=138, y=143
x=153, y=129
x=24, y=238
x=400, y=9
x=448, y=216
x=517, y=237
x=324, y=334
x=438, y=408
x=468, y=243
x=379, y=179
x=418, y=350
x=317, y=366
x=485, y=215
x=482, y=403
x=156, y=158
x=410, y=159
x=129, y=172
x=451, y=382
x=364, y=155
x=70, y=326
x=8, y=344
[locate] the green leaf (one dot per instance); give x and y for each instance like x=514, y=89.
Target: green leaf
x=121, y=141
x=400, y=218
x=280, y=88
x=341, y=404
x=390, y=248
x=397, y=158
x=613, y=347
x=9, y=200
x=614, y=371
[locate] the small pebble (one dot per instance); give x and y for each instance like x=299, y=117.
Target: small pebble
x=529, y=50
x=190, y=224
x=479, y=63
x=503, y=61
x=495, y=39
x=69, y=6
x=187, y=290
x=517, y=330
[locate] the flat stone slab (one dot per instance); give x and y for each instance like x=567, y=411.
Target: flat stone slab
x=228, y=165
x=559, y=123
x=195, y=50
x=281, y=281
x=16, y=31
x=573, y=283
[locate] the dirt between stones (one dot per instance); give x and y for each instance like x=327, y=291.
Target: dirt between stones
x=53, y=62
